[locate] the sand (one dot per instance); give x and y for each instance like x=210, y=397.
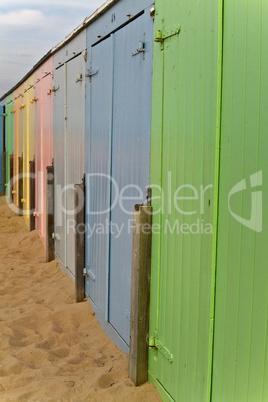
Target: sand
x=52, y=349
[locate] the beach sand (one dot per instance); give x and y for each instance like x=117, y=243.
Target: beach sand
x=52, y=349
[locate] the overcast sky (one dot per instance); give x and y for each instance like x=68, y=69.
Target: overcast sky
x=30, y=28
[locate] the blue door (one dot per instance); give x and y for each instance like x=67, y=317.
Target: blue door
x=98, y=184
x=118, y=168
x=59, y=144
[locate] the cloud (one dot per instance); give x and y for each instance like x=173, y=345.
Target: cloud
x=18, y=19
x=29, y=28
x=63, y=4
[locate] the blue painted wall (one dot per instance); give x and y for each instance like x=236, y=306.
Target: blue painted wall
x=118, y=125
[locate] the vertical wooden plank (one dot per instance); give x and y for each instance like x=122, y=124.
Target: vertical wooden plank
x=140, y=294
x=20, y=195
x=240, y=355
x=32, y=195
x=11, y=173
x=79, y=243
x=183, y=145
x=4, y=172
x=50, y=247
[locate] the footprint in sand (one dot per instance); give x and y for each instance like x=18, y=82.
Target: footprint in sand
x=100, y=362
x=61, y=353
x=105, y=381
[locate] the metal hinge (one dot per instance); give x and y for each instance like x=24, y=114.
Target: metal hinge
x=152, y=12
x=55, y=236
x=91, y=72
x=55, y=89
x=149, y=196
x=154, y=343
x=167, y=33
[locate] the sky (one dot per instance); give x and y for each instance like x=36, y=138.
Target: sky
x=30, y=28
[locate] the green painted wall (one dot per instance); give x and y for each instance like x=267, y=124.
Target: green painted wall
x=183, y=153
x=209, y=298
x=9, y=137
x=241, y=327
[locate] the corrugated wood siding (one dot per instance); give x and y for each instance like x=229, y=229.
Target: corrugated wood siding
x=240, y=351
x=183, y=153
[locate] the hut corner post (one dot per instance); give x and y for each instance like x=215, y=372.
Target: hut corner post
x=50, y=246
x=140, y=294
x=80, y=242
x=32, y=194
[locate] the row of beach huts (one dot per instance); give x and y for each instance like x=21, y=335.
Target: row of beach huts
x=156, y=115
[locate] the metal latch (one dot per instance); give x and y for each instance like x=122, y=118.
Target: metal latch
x=91, y=72
x=140, y=49
x=85, y=272
x=154, y=343
x=92, y=276
x=79, y=78
x=167, y=33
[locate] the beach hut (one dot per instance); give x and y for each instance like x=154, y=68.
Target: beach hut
x=43, y=101
x=208, y=315
x=9, y=107
x=19, y=116
x=2, y=140
x=117, y=153
x=69, y=65
x=28, y=133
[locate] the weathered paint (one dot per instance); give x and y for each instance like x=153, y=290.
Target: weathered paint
x=240, y=364
x=28, y=141
x=43, y=102
x=117, y=145
x=183, y=153
x=9, y=137
x=68, y=142
x=1, y=147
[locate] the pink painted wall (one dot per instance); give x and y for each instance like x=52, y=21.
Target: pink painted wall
x=43, y=141
x=19, y=116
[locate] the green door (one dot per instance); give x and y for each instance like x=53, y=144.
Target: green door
x=240, y=363
x=183, y=155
